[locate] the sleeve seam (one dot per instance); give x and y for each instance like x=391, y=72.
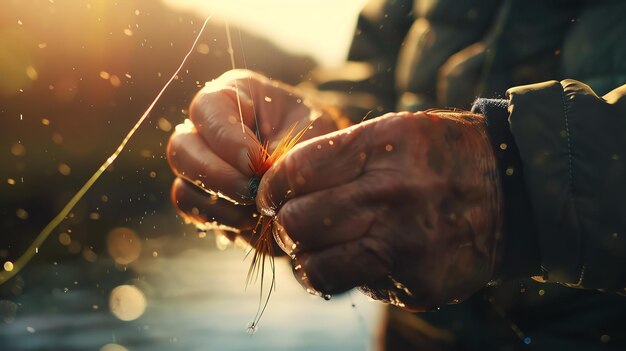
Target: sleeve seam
x=570, y=183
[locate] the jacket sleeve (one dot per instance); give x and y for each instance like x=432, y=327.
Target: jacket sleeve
x=572, y=148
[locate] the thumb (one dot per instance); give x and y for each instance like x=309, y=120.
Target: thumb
x=316, y=164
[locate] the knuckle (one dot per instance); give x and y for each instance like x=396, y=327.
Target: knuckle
x=379, y=253
x=298, y=169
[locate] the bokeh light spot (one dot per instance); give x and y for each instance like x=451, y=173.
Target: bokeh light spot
x=123, y=245
x=113, y=347
x=127, y=302
x=8, y=266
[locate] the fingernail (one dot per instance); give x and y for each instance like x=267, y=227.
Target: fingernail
x=284, y=241
x=299, y=262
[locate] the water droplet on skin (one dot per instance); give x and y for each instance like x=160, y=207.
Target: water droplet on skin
x=388, y=147
x=330, y=142
x=319, y=147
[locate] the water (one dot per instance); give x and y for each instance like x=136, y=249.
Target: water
x=195, y=301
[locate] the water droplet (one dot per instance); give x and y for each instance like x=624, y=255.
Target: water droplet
x=388, y=147
x=327, y=297
x=21, y=214
x=65, y=239
x=527, y=340
x=503, y=146
x=18, y=149
x=32, y=73
x=164, y=124
x=64, y=169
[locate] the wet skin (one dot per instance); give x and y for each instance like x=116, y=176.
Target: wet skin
x=405, y=206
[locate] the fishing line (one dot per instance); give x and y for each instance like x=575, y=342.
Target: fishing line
x=45, y=232
x=231, y=53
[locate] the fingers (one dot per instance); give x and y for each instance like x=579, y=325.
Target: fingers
x=228, y=111
x=340, y=268
x=190, y=158
x=325, y=218
x=197, y=206
x=215, y=114
x=320, y=163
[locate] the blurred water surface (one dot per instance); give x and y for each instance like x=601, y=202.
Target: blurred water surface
x=195, y=301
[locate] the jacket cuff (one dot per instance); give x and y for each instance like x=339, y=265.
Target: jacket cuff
x=519, y=248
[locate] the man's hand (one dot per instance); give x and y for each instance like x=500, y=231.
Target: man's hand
x=405, y=206
x=209, y=153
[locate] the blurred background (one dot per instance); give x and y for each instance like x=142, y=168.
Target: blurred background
x=123, y=271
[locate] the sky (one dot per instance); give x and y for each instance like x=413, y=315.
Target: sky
x=320, y=28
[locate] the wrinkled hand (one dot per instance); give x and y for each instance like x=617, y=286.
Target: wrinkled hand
x=209, y=153
x=405, y=206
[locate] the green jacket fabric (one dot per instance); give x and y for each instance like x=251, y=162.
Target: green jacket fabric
x=561, y=64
